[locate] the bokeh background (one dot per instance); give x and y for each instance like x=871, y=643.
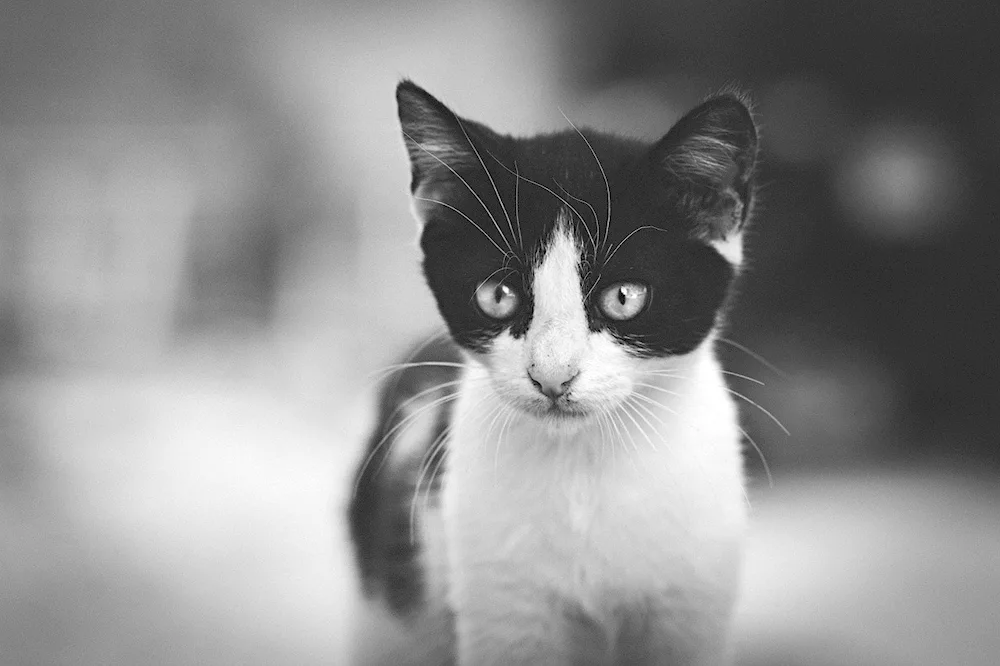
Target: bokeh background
x=205, y=251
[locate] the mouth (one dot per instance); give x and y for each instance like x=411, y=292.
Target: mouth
x=560, y=410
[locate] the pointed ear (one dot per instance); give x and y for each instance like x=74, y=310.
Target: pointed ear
x=438, y=141
x=711, y=153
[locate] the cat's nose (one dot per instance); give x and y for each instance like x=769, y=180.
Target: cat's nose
x=553, y=385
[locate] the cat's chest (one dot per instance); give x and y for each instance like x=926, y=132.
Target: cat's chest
x=585, y=513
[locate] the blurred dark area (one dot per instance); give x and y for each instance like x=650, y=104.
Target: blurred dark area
x=205, y=250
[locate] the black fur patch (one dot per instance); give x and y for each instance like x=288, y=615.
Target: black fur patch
x=379, y=511
x=645, y=212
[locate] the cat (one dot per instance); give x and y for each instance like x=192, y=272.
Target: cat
x=561, y=480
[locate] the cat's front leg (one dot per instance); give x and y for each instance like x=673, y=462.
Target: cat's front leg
x=673, y=634
x=508, y=623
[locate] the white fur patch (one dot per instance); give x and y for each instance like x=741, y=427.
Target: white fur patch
x=731, y=248
x=557, y=338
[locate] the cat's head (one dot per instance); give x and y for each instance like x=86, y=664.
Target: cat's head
x=570, y=264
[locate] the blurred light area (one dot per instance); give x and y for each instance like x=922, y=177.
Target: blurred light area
x=171, y=520
x=872, y=569
x=99, y=219
x=901, y=183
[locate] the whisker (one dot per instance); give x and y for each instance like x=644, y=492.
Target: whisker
x=754, y=355
x=597, y=221
x=383, y=372
x=658, y=388
x=517, y=215
x=404, y=424
x=547, y=189
x=636, y=407
x=474, y=193
x=749, y=379
x=607, y=185
x=639, y=427
x=769, y=414
x=602, y=417
x=760, y=454
x=635, y=447
x=438, y=446
x=650, y=412
x=488, y=175
x=505, y=253
x=631, y=233
x=501, y=412
x=417, y=396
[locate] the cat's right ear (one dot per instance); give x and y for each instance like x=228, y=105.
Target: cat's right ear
x=439, y=143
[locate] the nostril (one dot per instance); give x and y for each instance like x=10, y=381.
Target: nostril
x=552, y=388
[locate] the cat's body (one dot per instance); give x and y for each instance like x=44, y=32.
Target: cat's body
x=590, y=508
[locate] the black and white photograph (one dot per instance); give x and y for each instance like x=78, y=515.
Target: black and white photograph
x=527, y=333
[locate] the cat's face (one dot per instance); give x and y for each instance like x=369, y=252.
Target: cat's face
x=572, y=264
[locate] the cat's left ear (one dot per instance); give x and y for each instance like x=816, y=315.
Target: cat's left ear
x=711, y=154
x=440, y=144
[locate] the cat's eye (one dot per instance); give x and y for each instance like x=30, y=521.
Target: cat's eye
x=496, y=299
x=623, y=300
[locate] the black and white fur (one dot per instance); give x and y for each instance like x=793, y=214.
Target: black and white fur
x=568, y=486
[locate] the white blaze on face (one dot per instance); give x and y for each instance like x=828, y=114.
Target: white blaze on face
x=559, y=346
x=556, y=341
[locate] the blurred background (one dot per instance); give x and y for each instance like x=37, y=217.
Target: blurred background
x=206, y=250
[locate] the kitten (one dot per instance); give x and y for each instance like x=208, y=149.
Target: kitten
x=564, y=484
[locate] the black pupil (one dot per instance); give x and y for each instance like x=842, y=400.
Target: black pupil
x=621, y=295
x=498, y=293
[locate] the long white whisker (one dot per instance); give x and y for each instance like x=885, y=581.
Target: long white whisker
x=381, y=373
x=648, y=410
x=657, y=388
x=749, y=379
x=631, y=233
x=504, y=428
x=417, y=396
x=645, y=434
x=635, y=447
x=639, y=412
x=602, y=417
x=517, y=214
x=607, y=185
x=760, y=454
x=769, y=414
x=405, y=424
x=464, y=182
x=547, y=189
x=754, y=355
x=479, y=157
x=505, y=253
x=597, y=221
x=437, y=446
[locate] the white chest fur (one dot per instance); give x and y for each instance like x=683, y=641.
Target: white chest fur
x=642, y=512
